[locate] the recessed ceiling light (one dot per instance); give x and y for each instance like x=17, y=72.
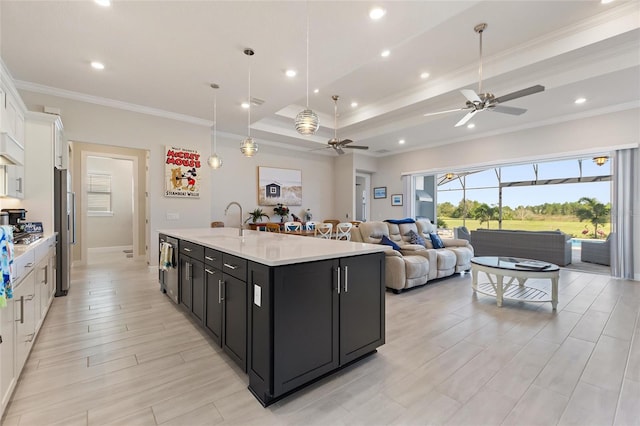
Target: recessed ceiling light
x=471, y=126
x=97, y=65
x=401, y=141
x=424, y=75
x=103, y=3
x=291, y=73
x=606, y=1
x=580, y=101
x=385, y=53
x=245, y=105
x=354, y=104
x=316, y=90
x=377, y=13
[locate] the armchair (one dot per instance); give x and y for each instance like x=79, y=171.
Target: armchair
x=597, y=251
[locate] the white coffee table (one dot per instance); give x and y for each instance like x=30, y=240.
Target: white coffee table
x=496, y=268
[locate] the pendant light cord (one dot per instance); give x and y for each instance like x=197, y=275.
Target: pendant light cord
x=249, y=101
x=307, y=54
x=480, y=68
x=215, y=114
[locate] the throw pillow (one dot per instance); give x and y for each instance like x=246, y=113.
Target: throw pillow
x=386, y=241
x=414, y=238
x=436, y=242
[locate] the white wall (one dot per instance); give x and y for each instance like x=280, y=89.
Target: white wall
x=114, y=230
x=236, y=181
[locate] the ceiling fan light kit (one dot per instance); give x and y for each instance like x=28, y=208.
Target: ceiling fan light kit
x=214, y=161
x=600, y=160
x=477, y=102
x=307, y=121
x=248, y=147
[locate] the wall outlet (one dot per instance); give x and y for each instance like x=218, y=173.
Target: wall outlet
x=173, y=216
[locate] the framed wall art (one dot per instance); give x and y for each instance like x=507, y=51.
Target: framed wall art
x=380, y=192
x=279, y=186
x=396, y=199
x=181, y=170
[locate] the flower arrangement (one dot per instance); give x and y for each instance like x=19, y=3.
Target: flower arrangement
x=281, y=210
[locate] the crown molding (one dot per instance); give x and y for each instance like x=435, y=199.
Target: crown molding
x=111, y=103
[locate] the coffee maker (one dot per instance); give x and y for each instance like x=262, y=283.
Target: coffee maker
x=16, y=216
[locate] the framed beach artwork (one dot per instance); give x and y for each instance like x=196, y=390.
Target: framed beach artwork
x=380, y=192
x=396, y=199
x=279, y=186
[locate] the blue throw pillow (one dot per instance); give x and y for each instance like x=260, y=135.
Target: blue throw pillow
x=386, y=241
x=436, y=242
x=414, y=238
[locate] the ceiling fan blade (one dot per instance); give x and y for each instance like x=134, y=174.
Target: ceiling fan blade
x=444, y=112
x=345, y=141
x=356, y=147
x=507, y=110
x=519, y=94
x=471, y=95
x=466, y=118
x=338, y=150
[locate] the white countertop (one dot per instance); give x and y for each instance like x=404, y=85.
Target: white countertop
x=21, y=249
x=271, y=249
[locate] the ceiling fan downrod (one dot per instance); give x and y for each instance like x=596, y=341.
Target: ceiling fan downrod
x=480, y=29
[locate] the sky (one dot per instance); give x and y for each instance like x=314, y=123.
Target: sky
x=532, y=195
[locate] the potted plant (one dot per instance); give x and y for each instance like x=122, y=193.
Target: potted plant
x=255, y=215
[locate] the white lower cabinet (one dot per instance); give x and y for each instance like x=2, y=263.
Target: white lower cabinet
x=34, y=289
x=8, y=375
x=25, y=317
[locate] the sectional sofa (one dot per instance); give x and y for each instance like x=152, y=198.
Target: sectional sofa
x=411, y=264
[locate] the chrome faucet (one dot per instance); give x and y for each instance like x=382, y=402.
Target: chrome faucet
x=227, y=209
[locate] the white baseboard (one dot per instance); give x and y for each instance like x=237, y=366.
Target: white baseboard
x=108, y=249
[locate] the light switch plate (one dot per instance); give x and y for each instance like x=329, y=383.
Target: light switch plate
x=173, y=216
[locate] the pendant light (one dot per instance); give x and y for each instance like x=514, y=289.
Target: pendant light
x=307, y=122
x=248, y=146
x=214, y=161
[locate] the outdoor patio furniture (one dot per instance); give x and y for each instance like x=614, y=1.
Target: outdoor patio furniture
x=596, y=251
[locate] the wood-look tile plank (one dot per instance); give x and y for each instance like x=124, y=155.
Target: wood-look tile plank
x=562, y=372
x=633, y=366
x=487, y=407
x=623, y=319
x=590, y=325
x=537, y=406
x=606, y=366
x=142, y=417
x=590, y=405
x=205, y=415
x=628, y=412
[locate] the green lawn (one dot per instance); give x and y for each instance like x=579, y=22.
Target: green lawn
x=573, y=228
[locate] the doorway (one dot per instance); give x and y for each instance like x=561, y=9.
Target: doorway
x=361, y=193
x=110, y=185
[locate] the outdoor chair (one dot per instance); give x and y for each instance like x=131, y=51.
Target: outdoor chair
x=597, y=251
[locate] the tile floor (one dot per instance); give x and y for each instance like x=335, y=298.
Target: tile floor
x=116, y=351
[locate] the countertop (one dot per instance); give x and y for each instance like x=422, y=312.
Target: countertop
x=271, y=249
x=21, y=249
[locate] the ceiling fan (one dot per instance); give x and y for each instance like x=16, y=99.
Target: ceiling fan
x=334, y=142
x=477, y=102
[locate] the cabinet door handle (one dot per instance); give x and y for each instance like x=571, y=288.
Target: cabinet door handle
x=187, y=273
x=31, y=337
x=21, y=320
x=231, y=266
x=210, y=258
x=29, y=265
x=346, y=279
x=209, y=271
x=46, y=274
x=30, y=297
x=19, y=181
x=188, y=250
x=220, y=298
x=338, y=271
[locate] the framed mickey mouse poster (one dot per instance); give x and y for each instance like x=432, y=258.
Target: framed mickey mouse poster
x=181, y=173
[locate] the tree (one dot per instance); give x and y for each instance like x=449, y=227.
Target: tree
x=522, y=213
x=593, y=211
x=445, y=209
x=484, y=213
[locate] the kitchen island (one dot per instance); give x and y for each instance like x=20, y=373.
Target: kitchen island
x=287, y=309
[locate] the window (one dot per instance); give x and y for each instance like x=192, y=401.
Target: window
x=99, y=195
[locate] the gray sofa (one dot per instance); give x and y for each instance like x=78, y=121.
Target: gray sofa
x=548, y=246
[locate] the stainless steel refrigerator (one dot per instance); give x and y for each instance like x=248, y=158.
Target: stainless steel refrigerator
x=64, y=225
